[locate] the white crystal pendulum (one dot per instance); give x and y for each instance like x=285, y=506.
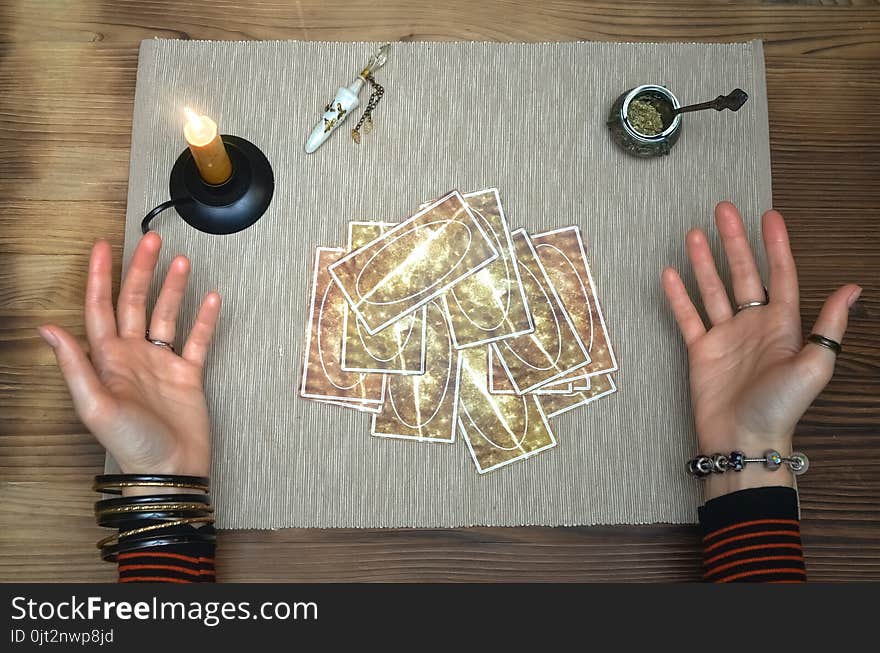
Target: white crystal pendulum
x=345, y=102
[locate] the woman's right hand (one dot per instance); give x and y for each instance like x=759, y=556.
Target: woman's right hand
x=751, y=375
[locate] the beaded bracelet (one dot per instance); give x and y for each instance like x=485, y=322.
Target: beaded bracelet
x=703, y=466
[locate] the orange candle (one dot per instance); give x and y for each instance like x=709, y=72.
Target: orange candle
x=207, y=148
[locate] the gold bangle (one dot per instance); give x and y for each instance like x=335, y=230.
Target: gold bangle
x=153, y=507
x=154, y=527
x=118, y=485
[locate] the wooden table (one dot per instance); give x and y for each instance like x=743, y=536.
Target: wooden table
x=67, y=77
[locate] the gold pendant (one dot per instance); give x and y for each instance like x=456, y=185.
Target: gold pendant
x=356, y=136
x=368, y=126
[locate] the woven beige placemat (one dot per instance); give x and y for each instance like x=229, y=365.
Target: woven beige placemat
x=527, y=118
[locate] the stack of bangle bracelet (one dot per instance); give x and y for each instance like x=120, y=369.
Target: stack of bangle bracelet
x=152, y=520
x=735, y=461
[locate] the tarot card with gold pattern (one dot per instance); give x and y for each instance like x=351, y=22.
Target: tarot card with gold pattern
x=424, y=407
x=414, y=262
x=490, y=304
x=562, y=253
x=362, y=407
x=553, y=350
x=500, y=383
x=396, y=349
x=322, y=376
x=498, y=429
x=600, y=386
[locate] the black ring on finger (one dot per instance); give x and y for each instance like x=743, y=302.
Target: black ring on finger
x=822, y=341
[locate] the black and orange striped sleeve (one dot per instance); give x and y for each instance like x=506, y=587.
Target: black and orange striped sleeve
x=753, y=536
x=175, y=563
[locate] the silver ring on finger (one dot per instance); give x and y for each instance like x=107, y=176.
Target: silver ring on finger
x=159, y=343
x=755, y=303
x=741, y=307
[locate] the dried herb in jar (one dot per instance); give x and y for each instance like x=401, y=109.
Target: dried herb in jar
x=644, y=118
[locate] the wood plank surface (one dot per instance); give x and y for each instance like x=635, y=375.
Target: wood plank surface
x=67, y=76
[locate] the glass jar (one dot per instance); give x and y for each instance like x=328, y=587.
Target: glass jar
x=629, y=138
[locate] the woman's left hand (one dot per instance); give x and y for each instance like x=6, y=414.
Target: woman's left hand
x=144, y=403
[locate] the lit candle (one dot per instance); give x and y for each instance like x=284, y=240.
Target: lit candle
x=207, y=148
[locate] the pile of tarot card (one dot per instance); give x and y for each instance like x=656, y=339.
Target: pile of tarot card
x=448, y=324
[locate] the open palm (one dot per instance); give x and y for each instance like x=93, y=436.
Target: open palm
x=751, y=376
x=143, y=402
x=737, y=370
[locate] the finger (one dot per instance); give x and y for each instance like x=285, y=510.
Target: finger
x=100, y=321
x=90, y=399
x=163, y=322
x=712, y=289
x=199, y=341
x=747, y=286
x=817, y=361
x=783, y=273
x=834, y=316
x=131, y=310
x=689, y=322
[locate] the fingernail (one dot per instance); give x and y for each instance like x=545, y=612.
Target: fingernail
x=48, y=336
x=854, y=295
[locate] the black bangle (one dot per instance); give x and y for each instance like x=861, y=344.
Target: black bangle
x=130, y=521
x=110, y=552
x=146, y=521
x=113, y=483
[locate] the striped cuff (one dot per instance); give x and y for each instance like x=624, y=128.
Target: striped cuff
x=753, y=536
x=173, y=563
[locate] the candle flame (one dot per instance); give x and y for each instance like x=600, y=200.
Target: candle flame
x=199, y=130
x=195, y=120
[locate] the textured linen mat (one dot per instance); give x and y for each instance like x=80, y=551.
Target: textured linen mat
x=527, y=118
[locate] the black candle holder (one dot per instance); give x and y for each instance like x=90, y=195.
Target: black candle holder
x=224, y=208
